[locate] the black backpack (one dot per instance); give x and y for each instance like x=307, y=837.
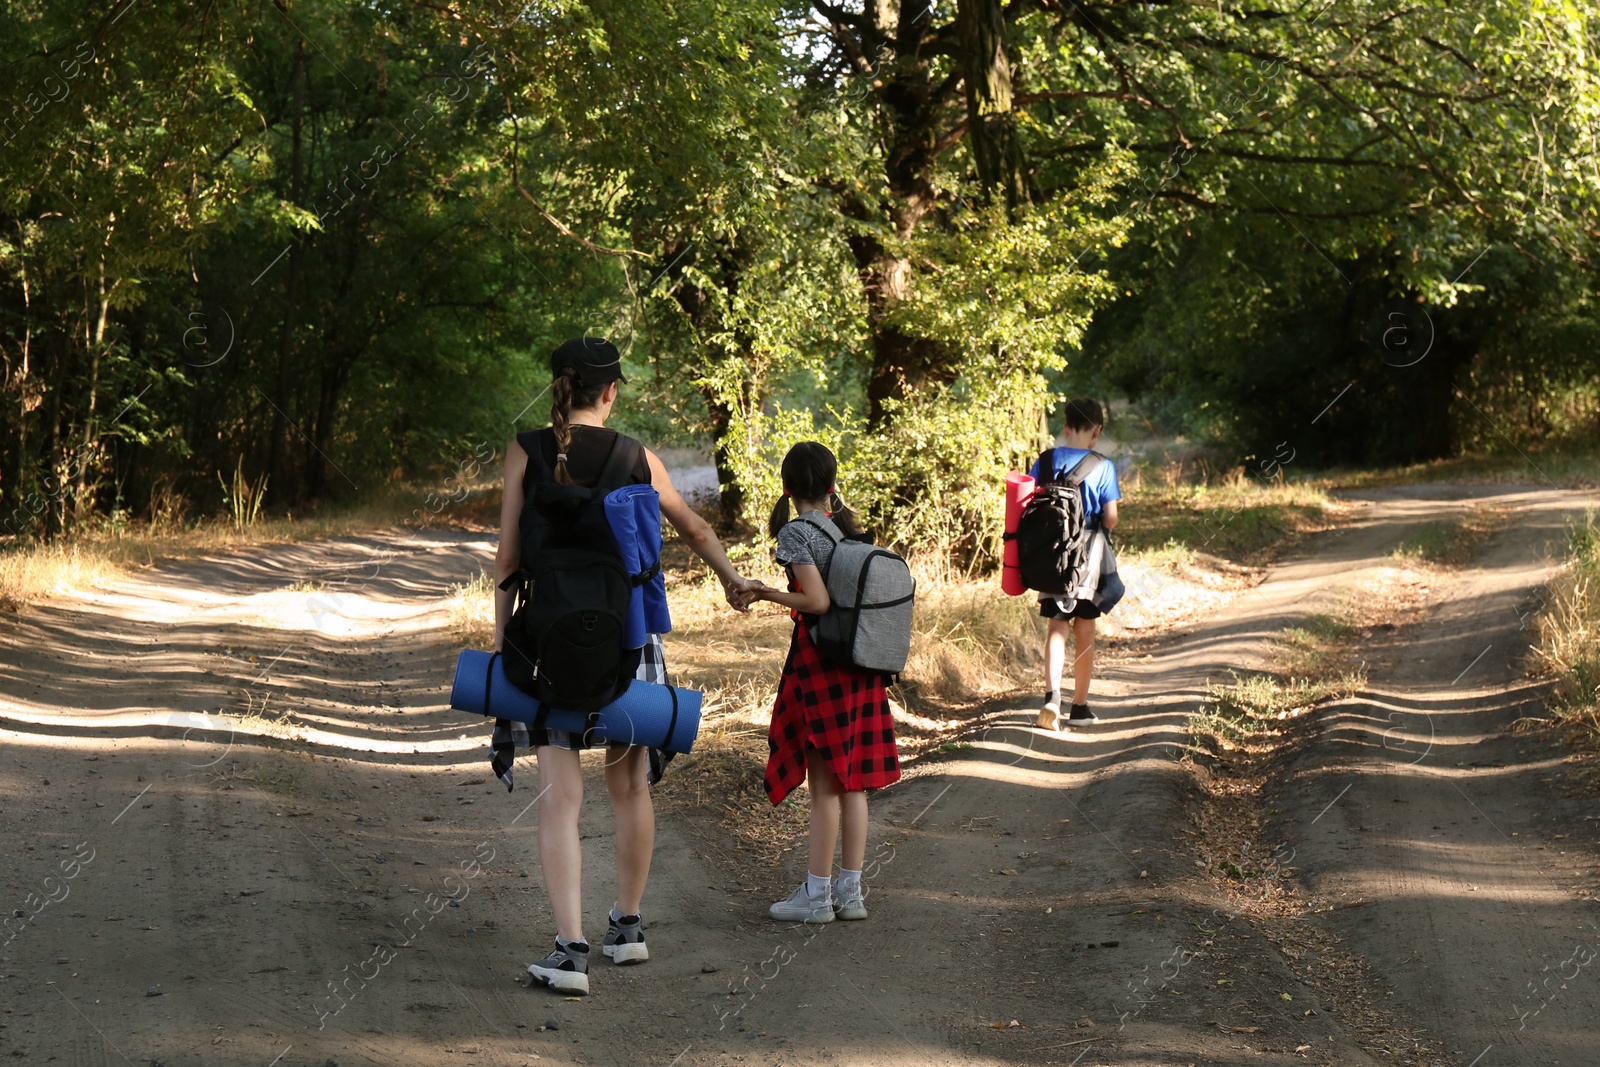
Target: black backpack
x=563, y=642
x=1052, y=532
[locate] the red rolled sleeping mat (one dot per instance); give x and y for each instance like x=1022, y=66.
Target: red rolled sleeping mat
x=1019, y=490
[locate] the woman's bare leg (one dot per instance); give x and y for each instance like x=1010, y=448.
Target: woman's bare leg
x=560, y=858
x=626, y=771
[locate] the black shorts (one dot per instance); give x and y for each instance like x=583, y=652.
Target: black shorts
x=1068, y=609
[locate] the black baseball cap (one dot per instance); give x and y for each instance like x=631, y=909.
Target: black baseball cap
x=596, y=360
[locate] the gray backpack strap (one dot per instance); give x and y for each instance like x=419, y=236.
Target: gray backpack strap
x=1085, y=467
x=837, y=540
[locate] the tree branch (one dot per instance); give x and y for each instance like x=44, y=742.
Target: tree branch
x=1076, y=94
x=566, y=231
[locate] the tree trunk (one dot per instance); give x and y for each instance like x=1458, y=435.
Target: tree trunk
x=991, y=124
x=730, y=264
x=730, y=494
x=279, y=485
x=902, y=365
x=14, y=440
x=336, y=370
x=913, y=107
x=342, y=346
x=53, y=519
x=83, y=492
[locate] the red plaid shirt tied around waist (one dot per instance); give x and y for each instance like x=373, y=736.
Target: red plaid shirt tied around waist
x=842, y=713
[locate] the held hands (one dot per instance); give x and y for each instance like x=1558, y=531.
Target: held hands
x=739, y=592
x=743, y=592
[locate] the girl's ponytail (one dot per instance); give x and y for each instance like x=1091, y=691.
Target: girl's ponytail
x=780, y=514
x=842, y=516
x=561, y=391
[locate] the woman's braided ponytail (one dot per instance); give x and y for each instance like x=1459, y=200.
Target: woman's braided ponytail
x=561, y=391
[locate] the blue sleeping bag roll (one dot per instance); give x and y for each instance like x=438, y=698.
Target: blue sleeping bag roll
x=656, y=716
x=634, y=513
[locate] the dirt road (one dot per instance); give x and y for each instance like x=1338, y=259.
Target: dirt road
x=1460, y=857
x=194, y=887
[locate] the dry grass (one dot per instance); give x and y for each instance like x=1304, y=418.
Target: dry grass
x=1569, y=634
x=94, y=555
x=471, y=612
x=43, y=570
x=1453, y=542
x=1565, y=463
x=970, y=642
x=1314, y=663
x=1237, y=518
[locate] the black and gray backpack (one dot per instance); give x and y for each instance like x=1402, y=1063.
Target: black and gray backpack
x=563, y=642
x=1052, y=532
x=868, y=623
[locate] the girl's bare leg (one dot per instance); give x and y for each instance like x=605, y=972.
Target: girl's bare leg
x=853, y=850
x=826, y=795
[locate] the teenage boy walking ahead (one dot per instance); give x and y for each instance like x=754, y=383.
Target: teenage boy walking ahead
x=1084, y=422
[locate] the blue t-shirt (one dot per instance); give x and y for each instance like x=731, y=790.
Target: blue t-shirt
x=1099, y=489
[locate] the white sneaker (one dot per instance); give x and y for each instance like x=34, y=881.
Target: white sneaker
x=849, y=905
x=799, y=907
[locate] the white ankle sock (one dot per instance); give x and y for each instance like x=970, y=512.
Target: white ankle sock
x=817, y=887
x=849, y=880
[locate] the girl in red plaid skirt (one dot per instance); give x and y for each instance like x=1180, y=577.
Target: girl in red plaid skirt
x=830, y=725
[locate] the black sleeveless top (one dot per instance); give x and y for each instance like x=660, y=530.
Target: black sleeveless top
x=586, y=455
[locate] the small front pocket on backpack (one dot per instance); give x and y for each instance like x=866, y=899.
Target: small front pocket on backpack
x=577, y=606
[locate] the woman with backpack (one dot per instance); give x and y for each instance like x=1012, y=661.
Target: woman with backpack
x=830, y=724
x=577, y=449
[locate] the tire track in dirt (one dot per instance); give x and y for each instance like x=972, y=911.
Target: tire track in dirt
x=1442, y=863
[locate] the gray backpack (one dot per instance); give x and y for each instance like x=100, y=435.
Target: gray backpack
x=868, y=625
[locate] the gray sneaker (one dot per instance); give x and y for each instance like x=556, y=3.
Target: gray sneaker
x=624, y=941
x=565, y=970
x=849, y=905
x=798, y=907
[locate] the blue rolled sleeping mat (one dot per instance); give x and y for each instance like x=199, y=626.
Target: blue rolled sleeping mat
x=656, y=716
x=634, y=514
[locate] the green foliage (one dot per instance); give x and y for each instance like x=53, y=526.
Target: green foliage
x=243, y=497
x=337, y=240
x=927, y=484
x=1398, y=197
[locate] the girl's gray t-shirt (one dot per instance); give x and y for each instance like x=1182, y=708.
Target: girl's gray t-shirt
x=801, y=542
